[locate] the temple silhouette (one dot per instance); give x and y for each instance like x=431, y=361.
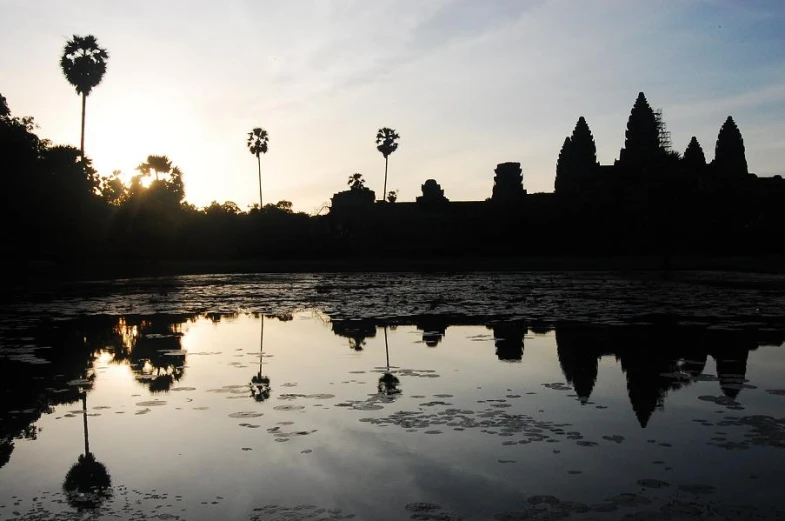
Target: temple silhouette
x=651, y=201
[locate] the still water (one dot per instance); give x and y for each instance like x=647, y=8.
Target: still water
x=246, y=416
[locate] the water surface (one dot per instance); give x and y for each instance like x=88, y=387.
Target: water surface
x=300, y=416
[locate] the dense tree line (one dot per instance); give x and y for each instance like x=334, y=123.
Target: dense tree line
x=57, y=208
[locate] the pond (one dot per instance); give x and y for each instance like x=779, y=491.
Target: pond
x=304, y=414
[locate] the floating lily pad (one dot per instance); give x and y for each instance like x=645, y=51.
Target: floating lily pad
x=289, y=407
x=697, y=489
x=653, y=483
x=246, y=414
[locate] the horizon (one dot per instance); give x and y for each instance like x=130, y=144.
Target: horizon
x=528, y=70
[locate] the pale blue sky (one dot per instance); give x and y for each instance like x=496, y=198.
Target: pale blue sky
x=466, y=83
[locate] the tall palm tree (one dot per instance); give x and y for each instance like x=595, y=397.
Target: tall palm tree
x=257, y=144
x=84, y=64
x=386, y=143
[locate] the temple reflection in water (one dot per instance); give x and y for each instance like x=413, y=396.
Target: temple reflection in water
x=53, y=362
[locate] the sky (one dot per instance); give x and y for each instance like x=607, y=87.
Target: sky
x=467, y=84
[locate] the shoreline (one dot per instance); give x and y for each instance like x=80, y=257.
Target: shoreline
x=736, y=300
x=96, y=270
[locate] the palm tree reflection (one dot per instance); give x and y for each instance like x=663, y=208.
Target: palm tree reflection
x=152, y=346
x=260, y=384
x=388, y=382
x=87, y=483
x=356, y=330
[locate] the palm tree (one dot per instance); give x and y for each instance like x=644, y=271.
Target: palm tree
x=84, y=64
x=386, y=143
x=257, y=144
x=356, y=181
x=157, y=164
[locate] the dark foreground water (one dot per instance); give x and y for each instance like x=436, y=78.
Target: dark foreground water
x=176, y=416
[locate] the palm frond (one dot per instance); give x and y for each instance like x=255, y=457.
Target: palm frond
x=84, y=63
x=258, y=140
x=386, y=141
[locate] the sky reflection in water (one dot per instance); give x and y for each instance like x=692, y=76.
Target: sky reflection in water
x=482, y=421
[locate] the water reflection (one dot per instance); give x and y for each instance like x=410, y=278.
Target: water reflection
x=357, y=331
x=433, y=329
x=260, y=384
x=508, y=337
x=42, y=368
x=87, y=483
x=655, y=360
x=388, y=382
x=152, y=347
x=42, y=360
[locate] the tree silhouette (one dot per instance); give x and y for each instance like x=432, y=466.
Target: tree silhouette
x=729, y=157
x=4, y=110
x=386, y=143
x=257, y=144
x=226, y=209
x=67, y=174
x=162, y=166
x=284, y=206
x=84, y=65
x=157, y=164
x=642, y=138
x=392, y=196
x=112, y=189
x=693, y=155
x=356, y=181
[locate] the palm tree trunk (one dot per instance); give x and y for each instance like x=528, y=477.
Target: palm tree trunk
x=261, y=348
x=84, y=102
x=84, y=416
x=259, y=165
x=384, y=192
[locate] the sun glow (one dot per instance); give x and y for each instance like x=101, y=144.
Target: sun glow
x=119, y=137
